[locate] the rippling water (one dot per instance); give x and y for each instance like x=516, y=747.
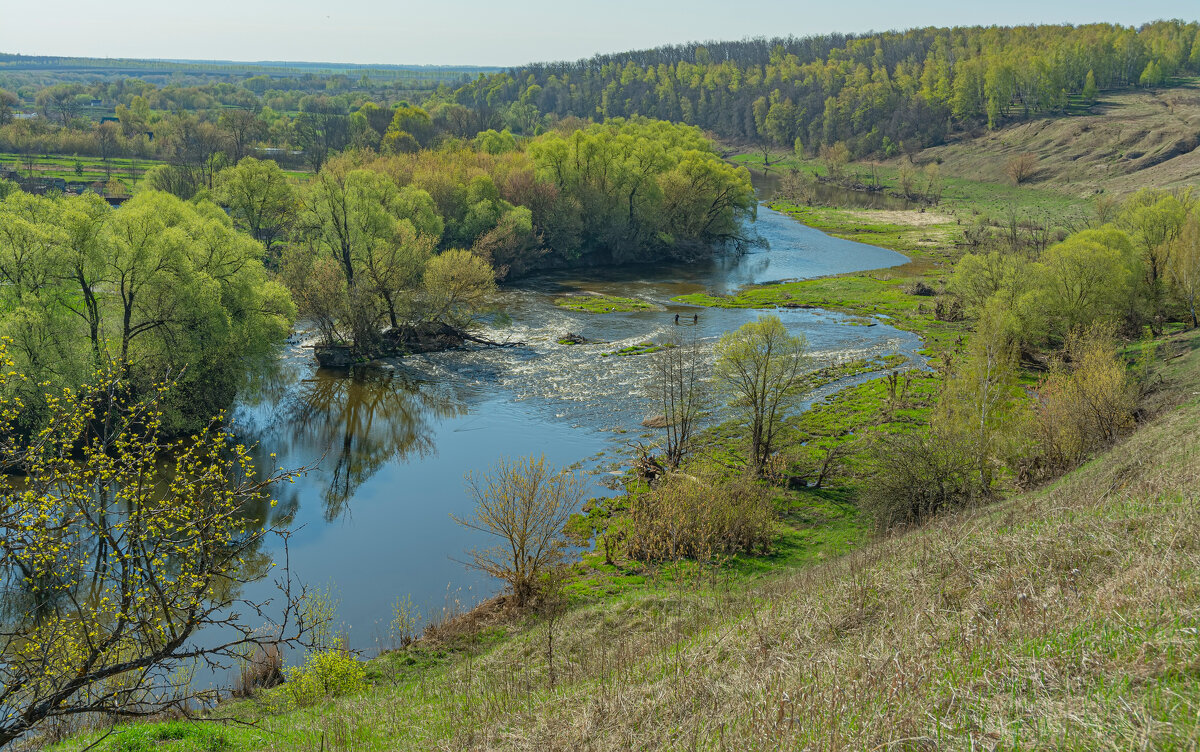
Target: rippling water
x=391, y=448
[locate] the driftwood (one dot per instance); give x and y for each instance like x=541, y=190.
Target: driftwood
x=488, y=342
x=406, y=340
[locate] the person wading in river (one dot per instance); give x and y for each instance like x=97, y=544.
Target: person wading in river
x=677, y=319
x=695, y=318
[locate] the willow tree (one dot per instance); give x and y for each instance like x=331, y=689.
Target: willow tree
x=119, y=578
x=159, y=285
x=1155, y=220
x=382, y=240
x=260, y=199
x=760, y=368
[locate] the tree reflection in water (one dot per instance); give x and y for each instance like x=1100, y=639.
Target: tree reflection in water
x=356, y=423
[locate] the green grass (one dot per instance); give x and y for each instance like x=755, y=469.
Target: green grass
x=642, y=348
x=595, y=303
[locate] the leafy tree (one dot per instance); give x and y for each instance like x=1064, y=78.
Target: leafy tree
x=495, y=142
x=261, y=201
x=1154, y=220
x=8, y=101
x=159, y=286
x=979, y=277
x=1088, y=277
x=457, y=285
x=321, y=129
x=61, y=102
x=1090, y=92
x=243, y=127
x=981, y=401
x=760, y=367
x=1185, y=266
x=411, y=120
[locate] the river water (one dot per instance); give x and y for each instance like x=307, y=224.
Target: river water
x=392, y=447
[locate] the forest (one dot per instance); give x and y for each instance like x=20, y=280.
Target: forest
x=879, y=93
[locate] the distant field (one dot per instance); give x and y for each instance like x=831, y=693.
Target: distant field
x=63, y=166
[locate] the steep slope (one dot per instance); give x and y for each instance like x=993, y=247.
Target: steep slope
x=1126, y=141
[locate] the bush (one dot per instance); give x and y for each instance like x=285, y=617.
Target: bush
x=328, y=673
x=1021, y=168
x=524, y=504
x=917, y=475
x=1086, y=401
x=684, y=517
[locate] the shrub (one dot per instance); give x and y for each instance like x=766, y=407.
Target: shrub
x=327, y=673
x=1021, y=168
x=524, y=504
x=684, y=517
x=260, y=669
x=915, y=476
x=1086, y=401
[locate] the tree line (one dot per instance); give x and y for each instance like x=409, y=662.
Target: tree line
x=878, y=93
x=375, y=238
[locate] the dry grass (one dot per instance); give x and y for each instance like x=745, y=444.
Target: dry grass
x=1132, y=139
x=903, y=217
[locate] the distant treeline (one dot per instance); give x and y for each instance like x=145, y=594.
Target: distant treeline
x=878, y=93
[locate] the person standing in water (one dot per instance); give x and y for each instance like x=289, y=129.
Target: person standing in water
x=677, y=319
x=695, y=318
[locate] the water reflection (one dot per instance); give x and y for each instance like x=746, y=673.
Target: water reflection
x=354, y=424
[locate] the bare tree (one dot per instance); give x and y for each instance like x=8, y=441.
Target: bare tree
x=677, y=387
x=1021, y=168
x=525, y=504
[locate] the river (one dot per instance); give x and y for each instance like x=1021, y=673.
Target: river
x=392, y=447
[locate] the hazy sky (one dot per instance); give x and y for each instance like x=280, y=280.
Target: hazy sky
x=482, y=32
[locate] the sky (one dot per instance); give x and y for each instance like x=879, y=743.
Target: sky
x=484, y=32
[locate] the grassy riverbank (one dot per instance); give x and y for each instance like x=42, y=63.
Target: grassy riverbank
x=901, y=296
x=1062, y=617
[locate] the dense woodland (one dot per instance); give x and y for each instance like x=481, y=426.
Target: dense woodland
x=878, y=93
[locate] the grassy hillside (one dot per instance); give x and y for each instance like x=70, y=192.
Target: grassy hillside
x=1126, y=141
x=1064, y=617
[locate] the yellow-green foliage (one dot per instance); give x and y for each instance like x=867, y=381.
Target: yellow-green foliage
x=110, y=562
x=159, y=285
x=1086, y=401
x=883, y=93
x=326, y=673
